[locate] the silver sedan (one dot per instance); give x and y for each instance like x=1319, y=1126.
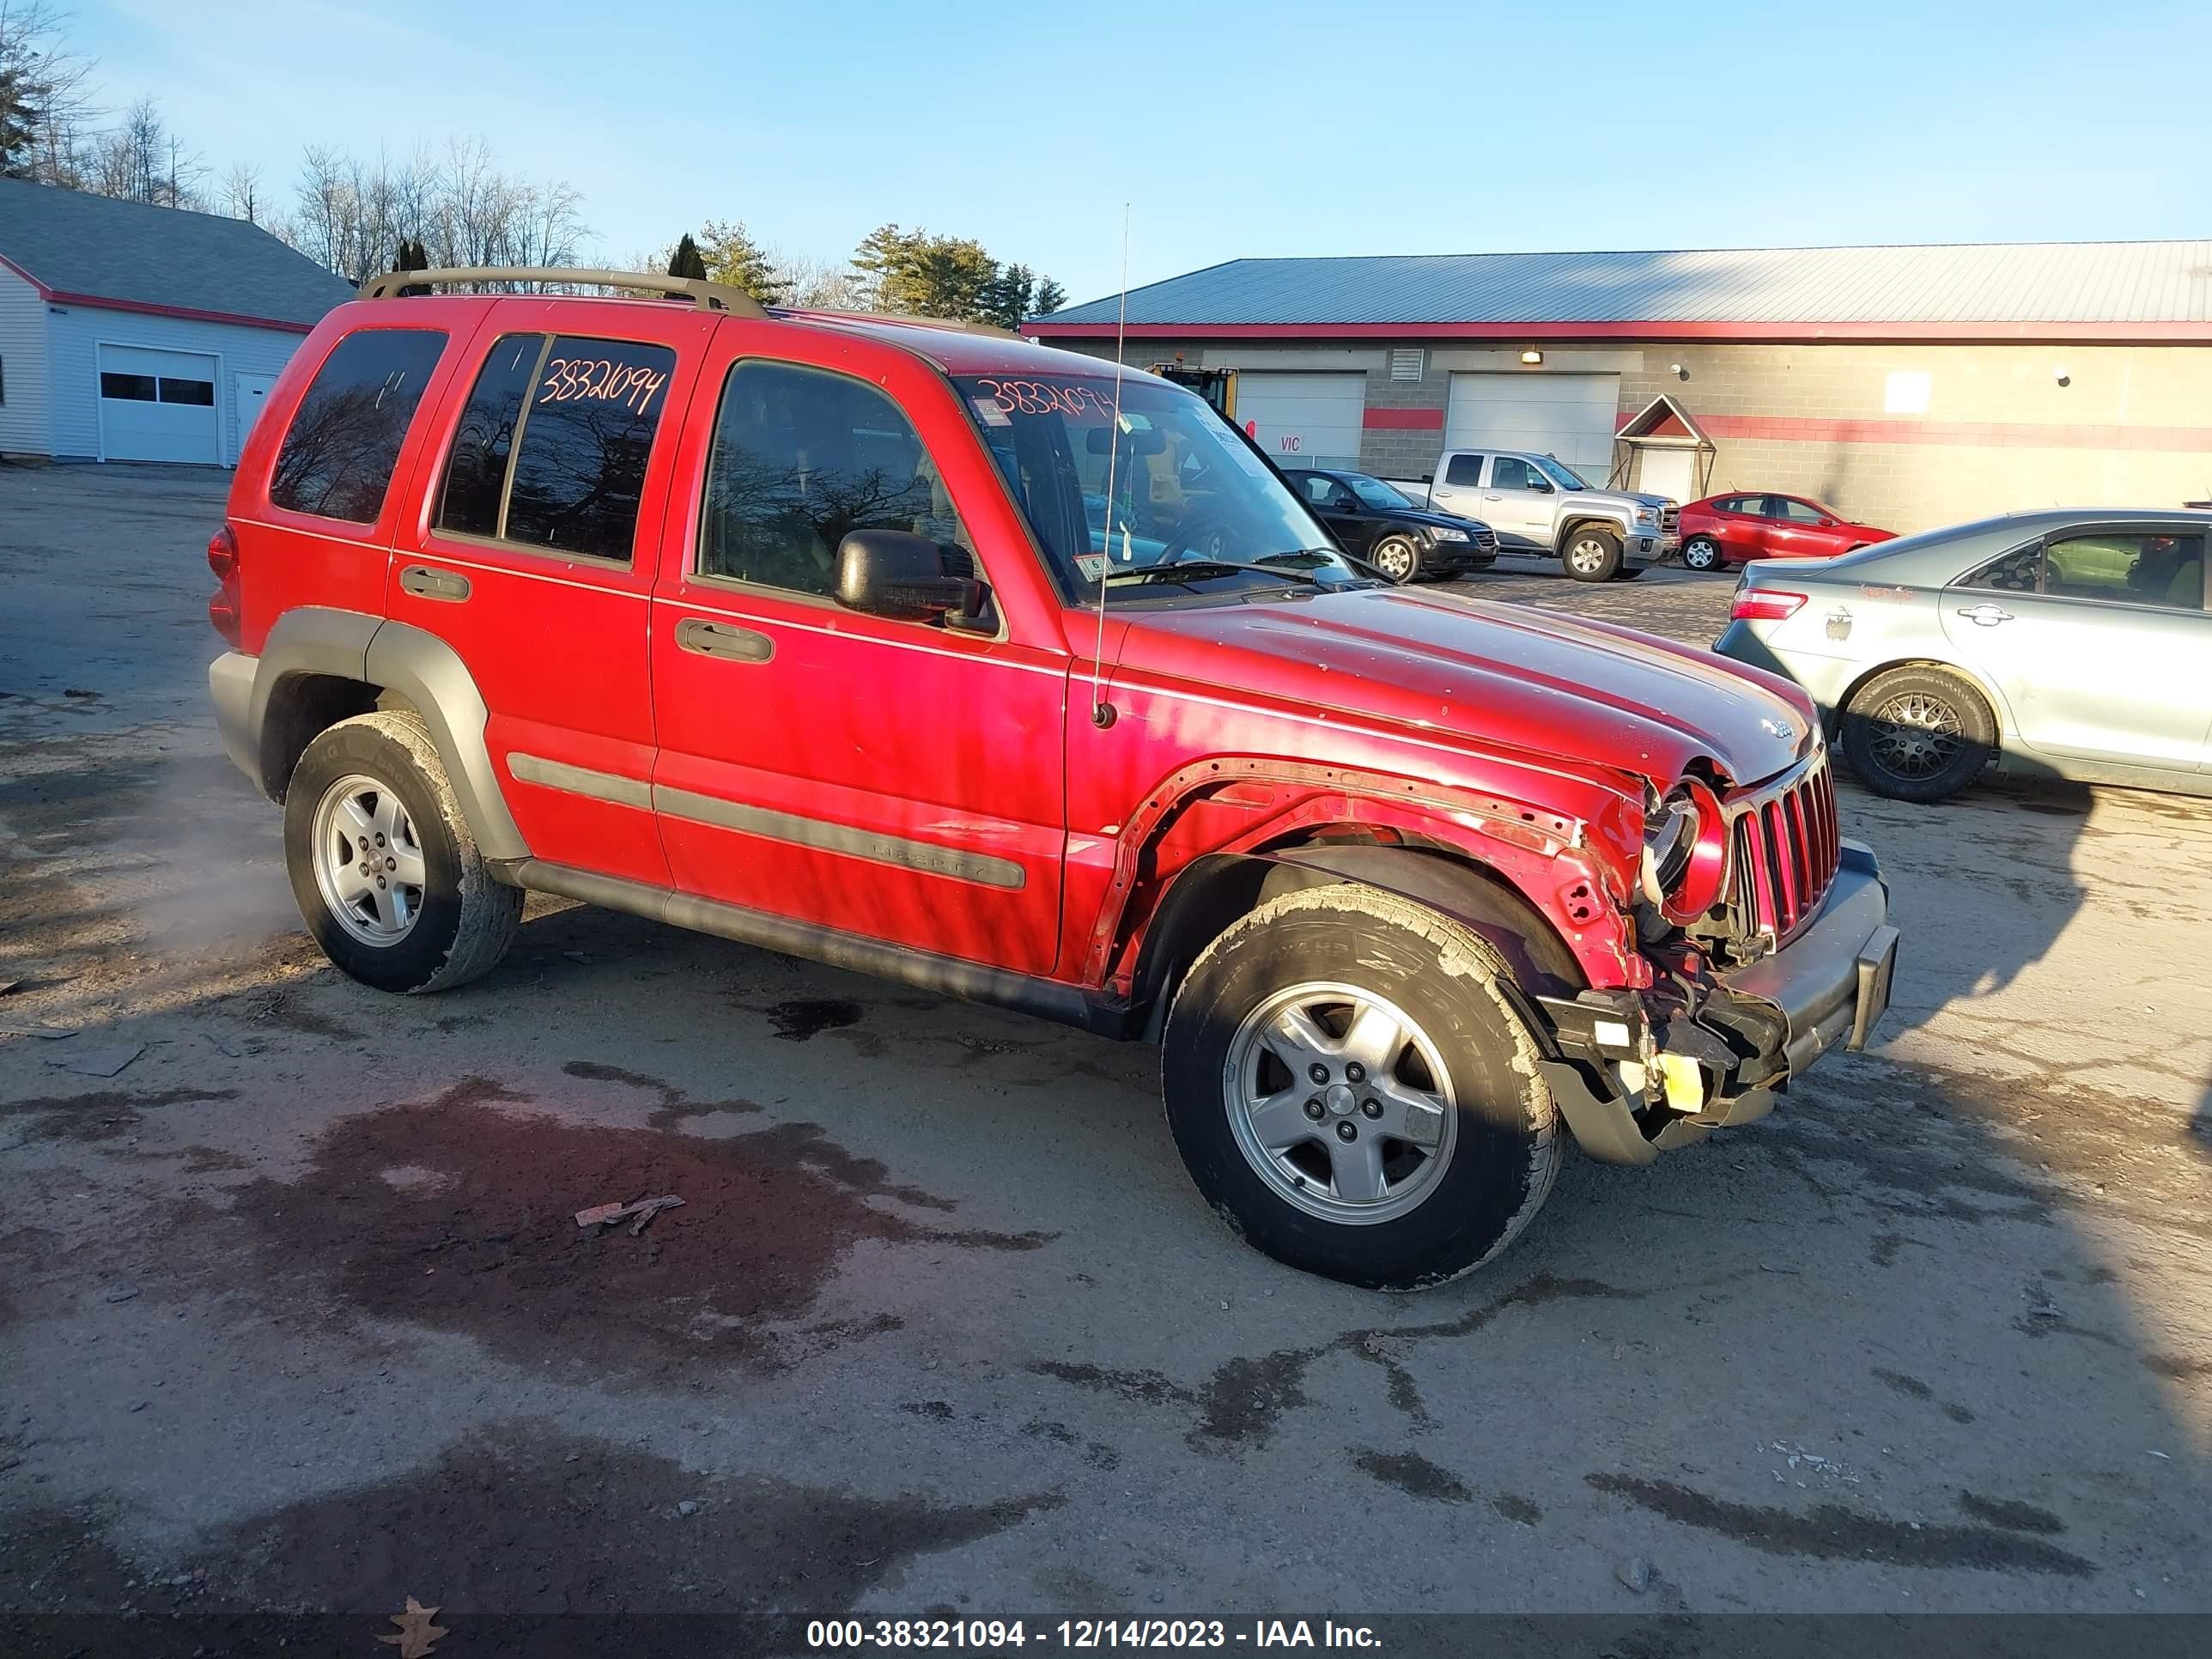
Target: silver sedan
x=2069, y=644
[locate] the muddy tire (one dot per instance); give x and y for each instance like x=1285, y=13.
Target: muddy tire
x=1919, y=734
x=1701, y=553
x=1351, y=1089
x=385, y=870
x=1397, y=558
x=1591, y=553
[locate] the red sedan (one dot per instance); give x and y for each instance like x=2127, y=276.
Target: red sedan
x=1737, y=529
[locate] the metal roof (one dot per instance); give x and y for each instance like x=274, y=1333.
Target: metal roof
x=92, y=250
x=2019, y=290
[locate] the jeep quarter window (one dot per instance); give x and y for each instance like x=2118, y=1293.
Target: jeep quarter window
x=337, y=457
x=802, y=457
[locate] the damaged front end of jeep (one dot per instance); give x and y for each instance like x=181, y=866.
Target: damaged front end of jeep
x=1768, y=941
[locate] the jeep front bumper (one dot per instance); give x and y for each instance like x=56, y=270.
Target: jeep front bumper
x=1639, y=1073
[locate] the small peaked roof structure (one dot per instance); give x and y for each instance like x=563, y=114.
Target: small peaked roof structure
x=1666, y=422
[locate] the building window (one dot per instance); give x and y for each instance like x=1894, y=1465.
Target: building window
x=129, y=388
x=200, y=393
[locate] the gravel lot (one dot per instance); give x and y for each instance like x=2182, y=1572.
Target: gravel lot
x=292, y=1314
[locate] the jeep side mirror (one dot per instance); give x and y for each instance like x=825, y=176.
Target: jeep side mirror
x=895, y=573
x=1541, y=486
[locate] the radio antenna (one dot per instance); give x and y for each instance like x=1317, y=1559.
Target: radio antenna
x=1102, y=712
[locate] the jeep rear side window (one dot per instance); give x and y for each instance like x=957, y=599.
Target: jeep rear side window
x=578, y=467
x=801, y=458
x=337, y=457
x=1463, y=470
x=476, y=474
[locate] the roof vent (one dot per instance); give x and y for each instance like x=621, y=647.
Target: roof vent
x=1405, y=363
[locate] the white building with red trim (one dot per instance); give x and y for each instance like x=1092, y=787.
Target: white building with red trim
x=1907, y=386
x=131, y=332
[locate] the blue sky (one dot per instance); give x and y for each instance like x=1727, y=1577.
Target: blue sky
x=1230, y=128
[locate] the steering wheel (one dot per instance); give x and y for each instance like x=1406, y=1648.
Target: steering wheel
x=1201, y=533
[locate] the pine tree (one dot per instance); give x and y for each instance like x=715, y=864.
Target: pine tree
x=1049, y=297
x=730, y=255
x=686, y=261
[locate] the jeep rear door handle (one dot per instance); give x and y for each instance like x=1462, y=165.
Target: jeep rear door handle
x=425, y=583
x=724, y=640
x=1986, y=616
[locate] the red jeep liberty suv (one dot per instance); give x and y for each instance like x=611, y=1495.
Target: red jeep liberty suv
x=930, y=652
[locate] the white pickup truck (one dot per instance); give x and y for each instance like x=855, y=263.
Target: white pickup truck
x=1537, y=503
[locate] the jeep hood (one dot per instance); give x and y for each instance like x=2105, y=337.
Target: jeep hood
x=1509, y=677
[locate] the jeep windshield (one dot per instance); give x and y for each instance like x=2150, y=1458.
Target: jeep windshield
x=1168, y=496
x=1560, y=473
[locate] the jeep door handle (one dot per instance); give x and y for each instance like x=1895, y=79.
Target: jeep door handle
x=1986, y=616
x=724, y=640
x=425, y=583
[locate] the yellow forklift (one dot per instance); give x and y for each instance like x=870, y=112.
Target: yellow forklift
x=1217, y=386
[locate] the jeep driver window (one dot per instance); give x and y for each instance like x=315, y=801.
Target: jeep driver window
x=2153, y=569
x=1508, y=473
x=337, y=457
x=1464, y=470
x=801, y=458
x=587, y=431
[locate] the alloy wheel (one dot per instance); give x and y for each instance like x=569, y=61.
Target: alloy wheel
x=1394, y=560
x=1341, y=1102
x=1700, y=554
x=369, y=863
x=1915, y=736
x=1587, y=556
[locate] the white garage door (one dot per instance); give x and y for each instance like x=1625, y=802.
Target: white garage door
x=1570, y=415
x=157, y=406
x=1303, y=420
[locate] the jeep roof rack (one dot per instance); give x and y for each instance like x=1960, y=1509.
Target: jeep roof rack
x=953, y=323
x=708, y=296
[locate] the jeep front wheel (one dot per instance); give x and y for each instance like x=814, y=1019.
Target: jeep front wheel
x=1592, y=554
x=1351, y=1088
x=386, y=874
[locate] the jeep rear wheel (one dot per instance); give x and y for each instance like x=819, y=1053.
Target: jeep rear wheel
x=1351, y=1088
x=1592, y=554
x=388, y=876
x=1396, y=557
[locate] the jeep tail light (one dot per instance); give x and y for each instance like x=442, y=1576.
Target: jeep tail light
x=1765, y=605
x=225, y=610
x=1685, y=852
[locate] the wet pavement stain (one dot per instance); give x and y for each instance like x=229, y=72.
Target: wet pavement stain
x=1242, y=1402
x=107, y=1115
x=1832, y=1531
x=804, y=1017
x=518, y=1521
x=2011, y=1516
x=1513, y=1507
x=676, y=1106
x=1913, y=1389
x=1413, y=1474
x=484, y=1239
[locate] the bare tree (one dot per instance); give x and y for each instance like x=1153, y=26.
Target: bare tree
x=813, y=285
x=44, y=102
x=353, y=217
x=241, y=192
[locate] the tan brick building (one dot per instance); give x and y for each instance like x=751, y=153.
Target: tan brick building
x=1907, y=386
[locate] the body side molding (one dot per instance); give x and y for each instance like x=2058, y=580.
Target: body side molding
x=1053, y=1000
